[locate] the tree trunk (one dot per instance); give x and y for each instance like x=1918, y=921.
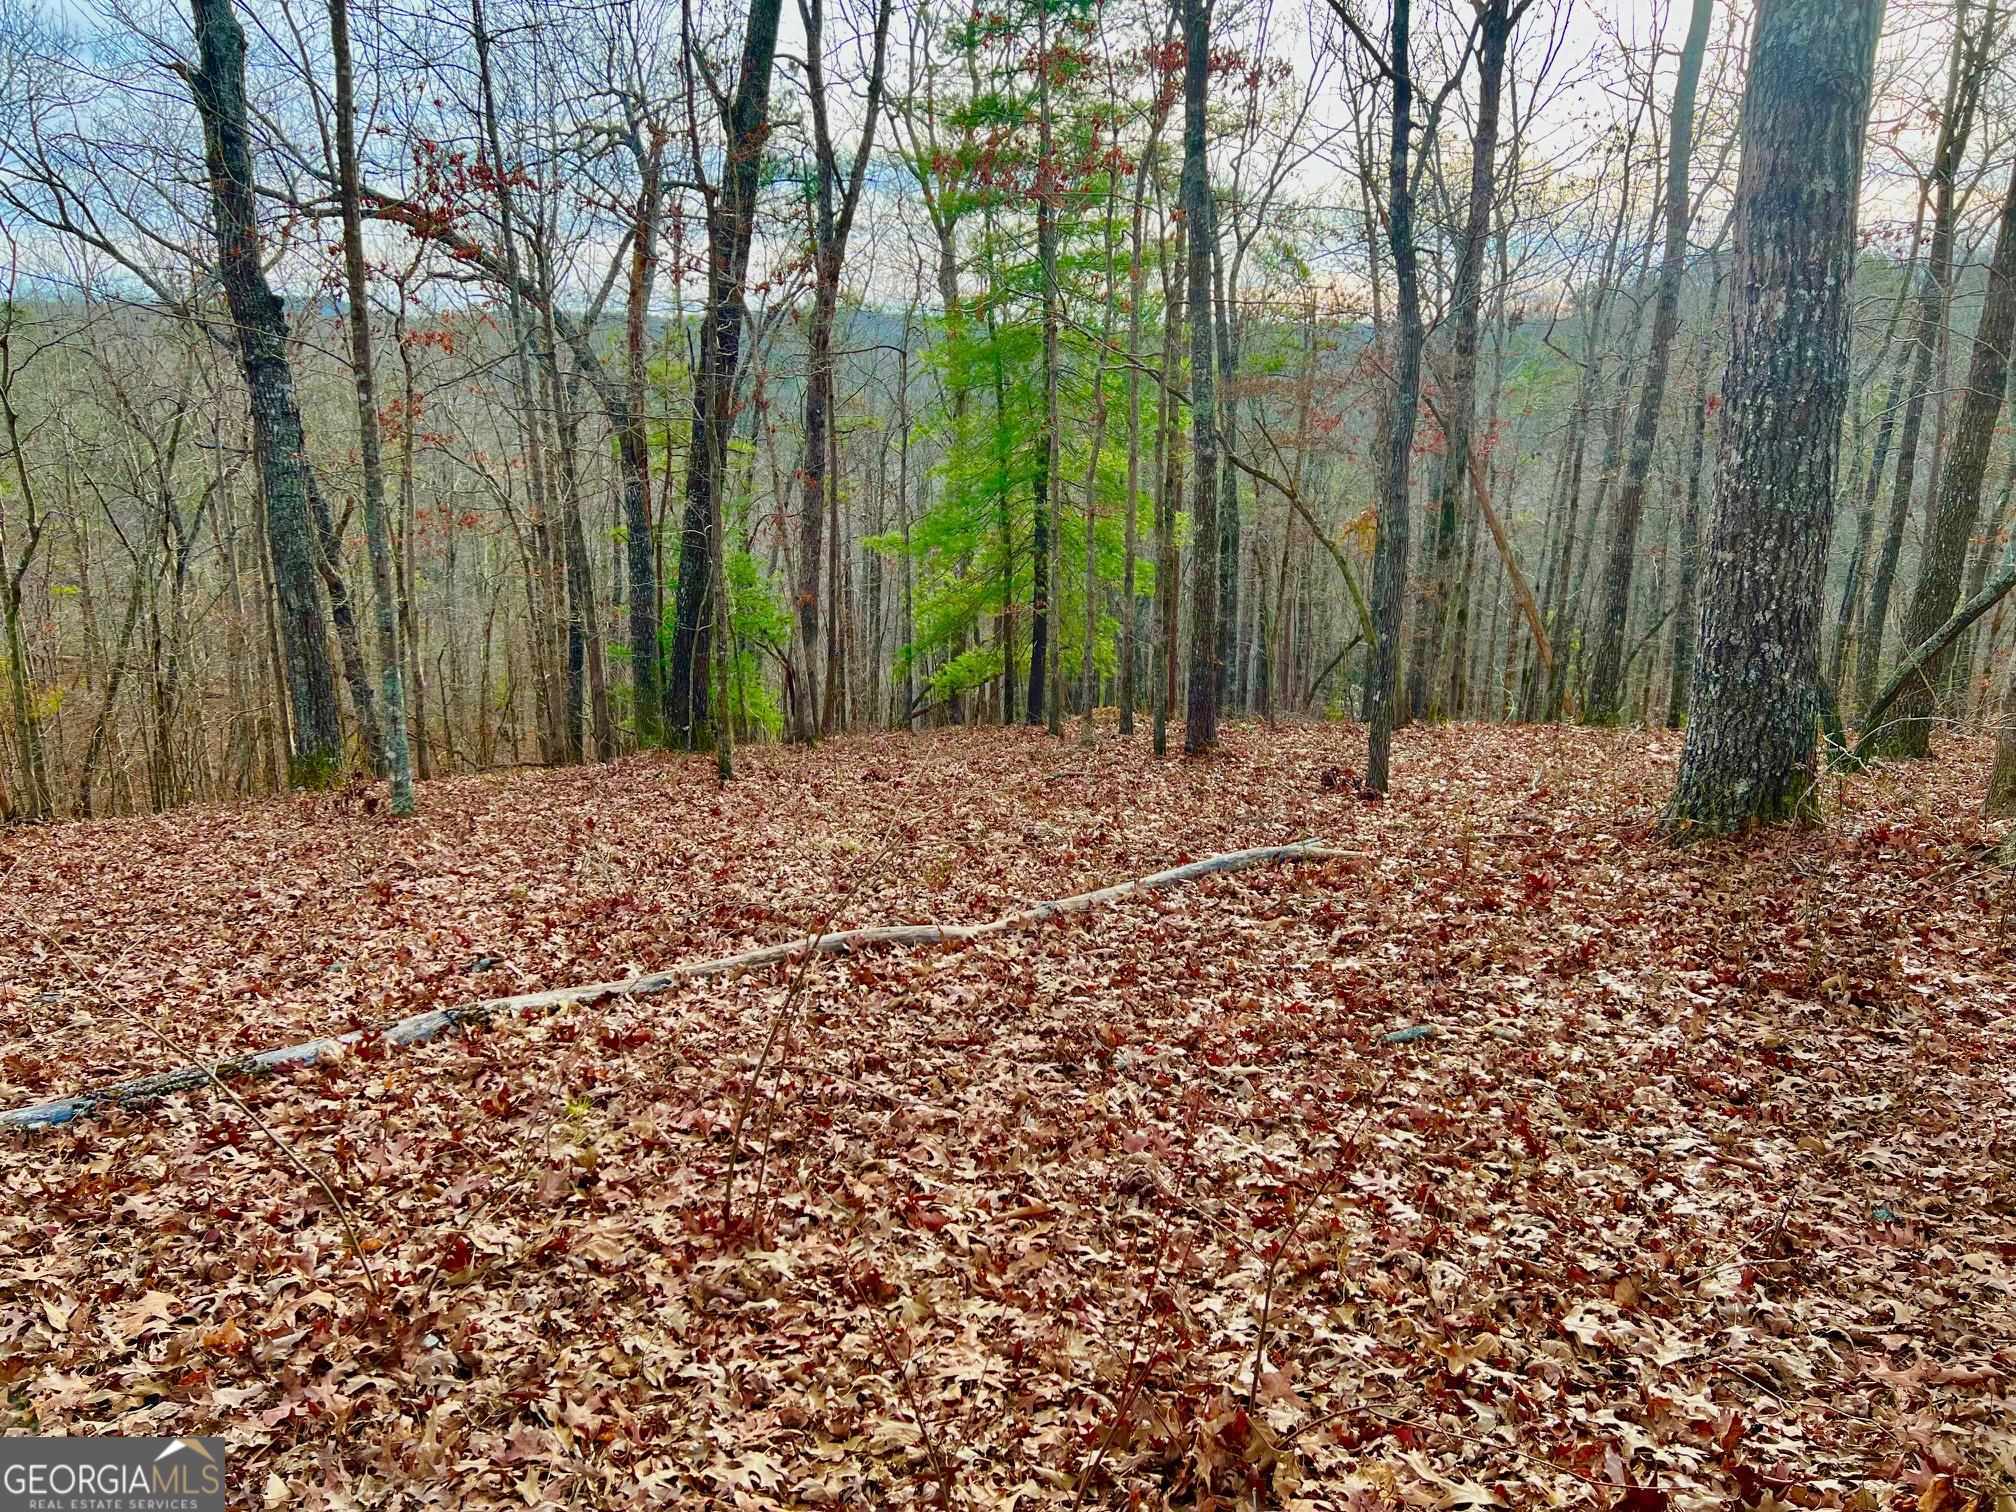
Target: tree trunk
x=1756, y=696
x=633, y=455
x=1959, y=482
x=377, y=529
x=1459, y=406
x=1689, y=550
x=2002, y=779
x=1606, y=681
x=831, y=227
x=1168, y=491
x=1886, y=426
x=1389, y=568
x=1968, y=75
x=540, y=583
x=731, y=227
x=1137, y=279
x=218, y=85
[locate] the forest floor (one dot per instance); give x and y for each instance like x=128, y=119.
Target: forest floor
x=1699, y=1189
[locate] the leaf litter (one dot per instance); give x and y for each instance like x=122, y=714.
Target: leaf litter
x=1697, y=1194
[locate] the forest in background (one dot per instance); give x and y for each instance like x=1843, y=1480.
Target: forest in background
x=864, y=345
x=951, y=1112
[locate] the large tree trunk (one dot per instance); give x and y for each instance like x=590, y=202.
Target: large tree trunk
x=731, y=227
x=1945, y=558
x=1756, y=696
x=1689, y=551
x=1606, y=680
x=218, y=85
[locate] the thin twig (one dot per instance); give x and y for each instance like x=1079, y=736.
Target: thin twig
x=349, y=1222
x=778, y=1022
x=939, y=1466
x=1330, y=1184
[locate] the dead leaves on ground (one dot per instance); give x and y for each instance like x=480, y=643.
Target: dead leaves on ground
x=1698, y=1194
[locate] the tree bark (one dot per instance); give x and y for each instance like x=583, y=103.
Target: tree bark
x=1389, y=567
x=1756, y=695
x=731, y=228
x=1689, y=551
x=377, y=529
x=218, y=86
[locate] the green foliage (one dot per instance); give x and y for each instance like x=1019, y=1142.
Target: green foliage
x=315, y=771
x=759, y=626
x=755, y=609
x=972, y=544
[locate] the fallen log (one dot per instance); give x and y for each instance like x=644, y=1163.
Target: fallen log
x=422, y=1027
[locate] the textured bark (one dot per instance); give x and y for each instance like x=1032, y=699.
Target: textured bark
x=377, y=528
x=1606, y=679
x=218, y=85
x=1689, y=551
x=1959, y=482
x=1756, y=696
x=731, y=228
x=1389, y=566
x=1200, y=733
